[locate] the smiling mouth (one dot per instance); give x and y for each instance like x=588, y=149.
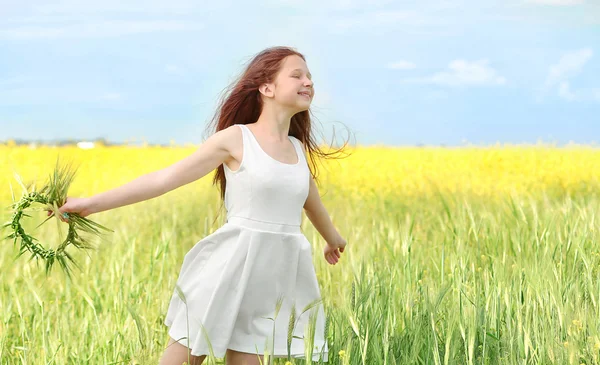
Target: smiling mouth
x=305, y=94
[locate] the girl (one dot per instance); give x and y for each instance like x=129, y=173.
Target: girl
x=231, y=280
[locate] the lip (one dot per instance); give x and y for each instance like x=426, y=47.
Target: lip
x=305, y=93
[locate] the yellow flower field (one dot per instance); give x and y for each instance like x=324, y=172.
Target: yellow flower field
x=407, y=172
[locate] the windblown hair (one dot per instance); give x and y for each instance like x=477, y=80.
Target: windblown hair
x=241, y=103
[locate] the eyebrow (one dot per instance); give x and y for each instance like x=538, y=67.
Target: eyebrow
x=309, y=74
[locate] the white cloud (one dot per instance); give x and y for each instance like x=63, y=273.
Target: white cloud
x=402, y=65
x=582, y=94
x=570, y=65
x=96, y=29
x=464, y=73
x=556, y=2
x=564, y=91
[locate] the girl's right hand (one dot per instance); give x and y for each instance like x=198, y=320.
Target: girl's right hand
x=81, y=206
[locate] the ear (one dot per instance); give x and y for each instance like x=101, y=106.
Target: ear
x=266, y=90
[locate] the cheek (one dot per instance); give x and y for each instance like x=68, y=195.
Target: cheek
x=292, y=92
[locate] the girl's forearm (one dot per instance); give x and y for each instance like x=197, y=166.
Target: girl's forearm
x=322, y=222
x=143, y=188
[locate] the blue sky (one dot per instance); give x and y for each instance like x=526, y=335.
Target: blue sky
x=395, y=72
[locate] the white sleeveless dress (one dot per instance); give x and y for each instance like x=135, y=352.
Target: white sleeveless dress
x=231, y=279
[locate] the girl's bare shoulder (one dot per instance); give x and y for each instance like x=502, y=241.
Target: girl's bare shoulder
x=228, y=138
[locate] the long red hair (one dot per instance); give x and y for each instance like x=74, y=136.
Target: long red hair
x=241, y=103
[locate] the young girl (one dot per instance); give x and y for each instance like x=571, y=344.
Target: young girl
x=232, y=279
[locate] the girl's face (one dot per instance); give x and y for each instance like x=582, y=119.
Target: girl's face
x=293, y=86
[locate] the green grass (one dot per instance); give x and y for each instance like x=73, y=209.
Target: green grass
x=449, y=280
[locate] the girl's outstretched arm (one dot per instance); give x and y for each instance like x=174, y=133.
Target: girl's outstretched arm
x=212, y=153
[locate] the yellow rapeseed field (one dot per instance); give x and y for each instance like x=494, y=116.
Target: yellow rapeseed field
x=406, y=172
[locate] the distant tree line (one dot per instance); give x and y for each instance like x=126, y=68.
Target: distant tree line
x=71, y=142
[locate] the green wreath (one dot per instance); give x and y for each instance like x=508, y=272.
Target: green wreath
x=52, y=195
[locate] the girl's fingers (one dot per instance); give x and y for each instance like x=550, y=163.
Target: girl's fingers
x=332, y=257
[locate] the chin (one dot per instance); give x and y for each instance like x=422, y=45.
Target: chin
x=300, y=107
x=306, y=104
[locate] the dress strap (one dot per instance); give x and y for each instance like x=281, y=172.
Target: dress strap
x=248, y=153
x=299, y=148
x=251, y=144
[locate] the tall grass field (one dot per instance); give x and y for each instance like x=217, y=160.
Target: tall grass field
x=471, y=255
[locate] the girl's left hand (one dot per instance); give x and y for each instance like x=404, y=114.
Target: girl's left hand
x=332, y=251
